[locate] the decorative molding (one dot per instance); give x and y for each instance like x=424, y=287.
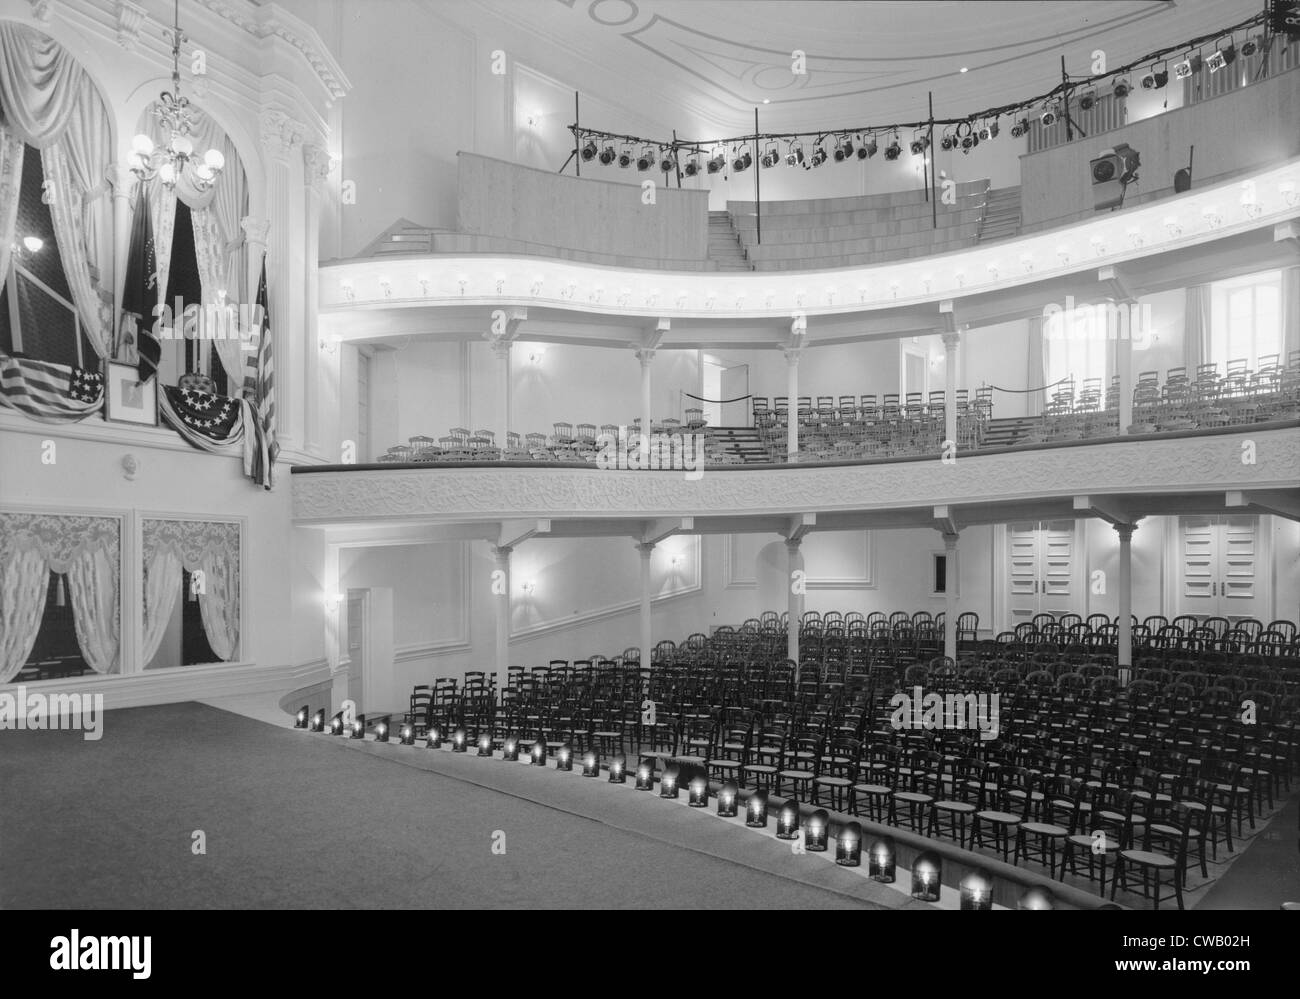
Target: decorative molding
x=42, y=10
x=317, y=161
x=130, y=19
x=281, y=133
x=1192, y=464
x=731, y=578
x=416, y=652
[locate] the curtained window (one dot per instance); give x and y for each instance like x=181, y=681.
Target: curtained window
x=1246, y=319
x=191, y=592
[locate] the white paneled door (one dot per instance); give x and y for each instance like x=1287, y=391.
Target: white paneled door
x=1041, y=569
x=1221, y=568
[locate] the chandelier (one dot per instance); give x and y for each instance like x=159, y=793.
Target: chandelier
x=174, y=114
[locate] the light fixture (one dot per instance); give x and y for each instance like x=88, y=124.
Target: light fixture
x=727, y=800
x=645, y=780
x=527, y=587
x=919, y=143
x=977, y=891
x=1035, y=899
x=539, y=753
x=318, y=721
x=718, y=162
x=817, y=831
x=988, y=131
x=1027, y=262
x=1173, y=226
x=893, y=150
x=358, y=728
x=756, y=811
x=434, y=738
x=742, y=161
x=1223, y=56
x=668, y=783
x=1213, y=218
x=300, y=719
x=618, y=770
x=1048, y=117
x=787, y=820
x=1157, y=77
x=510, y=749
x=589, y=150
x=485, y=744
x=1063, y=252
x=590, y=764
x=699, y=793
x=993, y=269
x=1021, y=127
x=1249, y=203
x=794, y=154
x=607, y=156
x=843, y=148
x=407, y=734
x=926, y=872
x=381, y=731
x=881, y=860
x=1288, y=191
x=1088, y=100
x=625, y=157
x=564, y=759
x=1250, y=46
x=646, y=160
x=33, y=244
x=770, y=158
x=459, y=741
x=1135, y=236
x=1098, y=243
x=848, y=845
x=173, y=113
x=667, y=161
x=869, y=150
x=692, y=166
x=948, y=141
x=819, y=156
x=1121, y=89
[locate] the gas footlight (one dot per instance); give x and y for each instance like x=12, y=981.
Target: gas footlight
x=727, y=800
x=459, y=741
x=668, y=783
x=618, y=770
x=510, y=751
x=881, y=860
x=645, y=780
x=925, y=877
x=817, y=831
x=300, y=719
x=787, y=820
x=485, y=745
x=756, y=811
x=848, y=845
x=699, y=793
x=977, y=891
x=590, y=764
x=564, y=759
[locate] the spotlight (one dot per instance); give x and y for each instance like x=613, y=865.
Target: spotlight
x=358, y=728
x=692, y=166
x=485, y=745
x=590, y=764
x=300, y=719
x=1088, y=101
x=699, y=789
x=336, y=724
x=667, y=163
x=869, y=150
x=1020, y=128
x=949, y=141
x=969, y=142
x=1156, y=78
x=668, y=783
x=1048, y=117
x=1036, y=899
x=1112, y=172
x=787, y=820
x=434, y=738
x=756, y=812
x=770, y=158
x=993, y=129
x=1223, y=57
x=1183, y=69
x=618, y=770
x=919, y=144
x=817, y=832
x=926, y=872
x=1121, y=89
x=564, y=759
x=645, y=780
x=407, y=734
x=646, y=160
x=539, y=753
x=742, y=161
x=848, y=147
x=625, y=157
x=727, y=800
x=1250, y=46
x=794, y=155
x=987, y=132
x=717, y=163
x=848, y=845
x=318, y=721
x=459, y=742
x=977, y=891
x=881, y=860
x=381, y=731
x=589, y=150
x=510, y=750
x=607, y=155
x=893, y=150
x=818, y=156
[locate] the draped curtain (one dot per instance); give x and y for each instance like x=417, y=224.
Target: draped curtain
x=24, y=582
x=161, y=582
x=210, y=548
x=1290, y=310
x=92, y=588
x=219, y=603
x=1196, y=328
x=11, y=175
x=49, y=102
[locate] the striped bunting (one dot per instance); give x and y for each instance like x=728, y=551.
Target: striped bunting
x=259, y=388
x=43, y=390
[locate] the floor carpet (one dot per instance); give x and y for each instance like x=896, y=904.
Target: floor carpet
x=292, y=820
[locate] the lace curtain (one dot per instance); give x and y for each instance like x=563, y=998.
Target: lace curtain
x=88, y=550
x=197, y=546
x=11, y=175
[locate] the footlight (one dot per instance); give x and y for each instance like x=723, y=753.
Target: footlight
x=407, y=734
x=699, y=793
x=881, y=860
x=756, y=812
x=817, y=831
x=336, y=724
x=510, y=750
x=787, y=820
x=358, y=728
x=381, y=731
x=668, y=784
x=564, y=759
x=539, y=753
x=300, y=719
x=590, y=765
x=618, y=770
x=925, y=877
x=977, y=891
x=318, y=721
x=727, y=801
x=459, y=741
x=645, y=780
x=848, y=845
x=485, y=745
x=1036, y=898
x=434, y=741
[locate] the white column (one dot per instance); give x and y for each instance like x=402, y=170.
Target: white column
x=501, y=349
x=1118, y=321
x=792, y=395
x=950, y=342
x=646, y=356
x=795, y=585
x=1124, y=651
x=950, y=609
x=316, y=164
x=646, y=549
x=501, y=555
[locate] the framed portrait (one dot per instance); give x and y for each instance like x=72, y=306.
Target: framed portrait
x=127, y=399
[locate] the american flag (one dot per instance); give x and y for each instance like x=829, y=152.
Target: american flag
x=214, y=417
x=140, y=294
x=259, y=388
x=49, y=392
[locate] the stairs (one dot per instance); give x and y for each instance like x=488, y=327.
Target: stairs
x=1001, y=215
x=724, y=244
x=742, y=441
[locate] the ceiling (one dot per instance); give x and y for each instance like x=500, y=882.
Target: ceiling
x=711, y=62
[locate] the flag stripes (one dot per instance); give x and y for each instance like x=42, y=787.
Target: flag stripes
x=42, y=390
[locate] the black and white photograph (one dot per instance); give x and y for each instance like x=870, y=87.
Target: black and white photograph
x=648, y=456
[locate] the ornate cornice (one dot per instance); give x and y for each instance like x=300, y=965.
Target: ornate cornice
x=281, y=133
x=42, y=10
x=130, y=19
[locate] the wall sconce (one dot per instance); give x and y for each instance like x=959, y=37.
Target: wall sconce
x=1172, y=226
x=1027, y=262
x=993, y=269
x=535, y=355
x=618, y=770
x=862, y=296
x=332, y=601
x=330, y=344
x=406, y=735
x=386, y=286
x=645, y=780
x=358, y=728
x=668, y=783
x=926, y=281
x=317, y=723
x=424, y=284
x=345, y=286
x=768, y=297
x=1288, y=191
x=960, y=277
x=699, y=793
x=652, y=298
x=1036, y=899
x=1098, y=243
x=510, y=751
x=485, y=745
x=458, y=741
x=893, y=287
x=300, y=719
x=925, y=877
x=817, y=832
x=1135, y=236
x=727, y=800
x=681, y=300
x=1212, y=216
x=740, y=302
x=596, y=294
x=1064, y=253
x=462, y=280
x=590, y=764
x=528, y=586
x=434, y=739
x=977, y=891
x=756, y=811
x=709, y=299
x=830, y=296
x=675, y=561
x=624, y=296
x=848, y=845
x=881, y=859
x=501, y=283
x=787, y=820
x=564, y=759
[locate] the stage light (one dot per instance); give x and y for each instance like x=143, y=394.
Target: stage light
x=949, y=141
x=1036, y=899
x=645, y=780
x=718, y=162
x=1021, y=127
x=817, y=831
x=770, y=158
x=485, y=744
x=987, y=132
x=1157, y=77
x=977, y=891
x=742, y=162
x=756, y=812
x=510, y=750
x=336, y=724
x=969, y=142
x=1222, y=57
x=848, y=845
x=1173, y=226
x=893, y=150
x=300, y=719
x=625, y=157
x=646, y=160
x=667, y=162
x=618, y=770
x=607, y=155
x=668, y=783
x=1088, y=100
x=727, y=800
x=1121, y=89
x=459, y=741
x=381, y=731
x=407, y=734
x=1250, y=46
x=882, y=860
x=1048, y=117
x=358, y=728
x=926, y=872
x=794, y=155
x=692, y=166
x=787, y=820
x=589, y=150
x=699, y=793
x=434, y=738
x=818, y=156
x=318, y=721
x=590, y=764
x=919, y=144
x=1111, y=173
x=539, y=753
x=869, y=150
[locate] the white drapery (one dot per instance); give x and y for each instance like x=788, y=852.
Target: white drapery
x=219, y=603
x=40, y=84
x=11, y=175
x=92, y=589
x=1290, y=311
x=211, y=549
x=1196, y=328
x=162, y=581
x=24, y=582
